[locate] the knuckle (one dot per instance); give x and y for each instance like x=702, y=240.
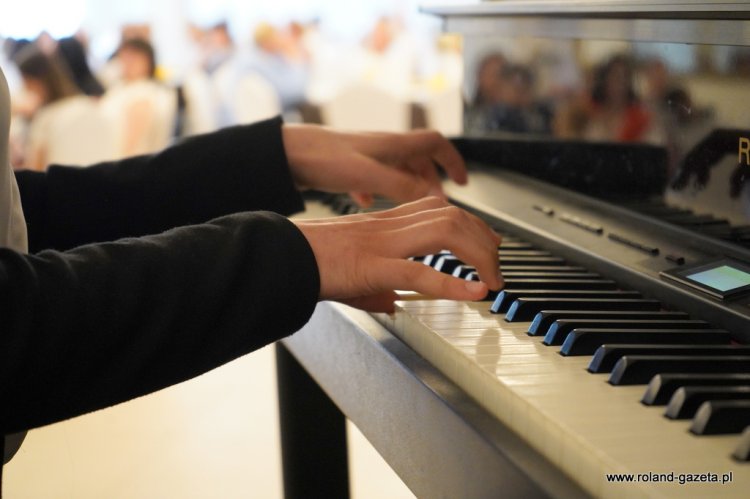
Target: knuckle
x=455, y=214
x=435, y=202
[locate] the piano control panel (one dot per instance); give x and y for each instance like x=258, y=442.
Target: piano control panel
x=725, y=279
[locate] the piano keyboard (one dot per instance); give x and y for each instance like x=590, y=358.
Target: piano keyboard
x=587, y=387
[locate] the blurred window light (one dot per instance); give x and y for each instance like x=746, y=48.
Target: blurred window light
x=28, y=18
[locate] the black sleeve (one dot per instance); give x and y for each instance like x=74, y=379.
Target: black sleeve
x=105, y=323
x=236, y=169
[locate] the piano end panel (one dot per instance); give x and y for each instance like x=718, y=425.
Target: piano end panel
x=436, y=438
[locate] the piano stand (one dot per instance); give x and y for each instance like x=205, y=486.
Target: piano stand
x=437, y=439
x=313, y=434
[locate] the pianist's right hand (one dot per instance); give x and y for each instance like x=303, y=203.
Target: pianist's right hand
x=362, y=258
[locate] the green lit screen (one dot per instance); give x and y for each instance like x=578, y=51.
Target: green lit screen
x=722, y=278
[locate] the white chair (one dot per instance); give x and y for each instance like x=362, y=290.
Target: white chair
x=255, y=99
x=73, y=131
x=362, y=106
x=156, y=126
x=445, y=111
x=201, y=111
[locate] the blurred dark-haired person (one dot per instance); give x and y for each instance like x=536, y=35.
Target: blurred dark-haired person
x=617, y=113
x=66, y=126
x=142, y=108
x=73, y=53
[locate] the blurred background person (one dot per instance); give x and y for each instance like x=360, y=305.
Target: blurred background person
x=142, y=109
x=279, y=56
x=72, y=52
x=487, y=92
x=65, y=126
x=616, y=113
x=516, y=108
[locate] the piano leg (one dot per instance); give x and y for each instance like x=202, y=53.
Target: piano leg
x=313, y=434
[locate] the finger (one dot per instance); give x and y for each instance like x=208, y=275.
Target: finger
x=432, y=144
x=413, y=276
x=420, y=205
x=417, y=216
x=426, y=168
x=448, y=228
x=396, y=148
x=377, y=178
x=363, y=199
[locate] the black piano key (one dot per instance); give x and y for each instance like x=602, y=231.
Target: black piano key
x=721, y=417
x=464, y=272
x=662, y=386
x=507, y=296
x=446, y=263
x=470, y=273
x=506, y=267
x=687, y=399
x=552, y=284
x=551, y=275
x=546, y=261
x=742, y=452
x=431, y=259
x=586, y=341
x=639, y=369
x=504, y=252
x=606, y=356
x=559, y=329
x=543, y=320
x=524, y=309
x=511, y=244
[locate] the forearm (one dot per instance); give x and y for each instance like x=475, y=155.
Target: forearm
x=106, y=323
x=236, y=169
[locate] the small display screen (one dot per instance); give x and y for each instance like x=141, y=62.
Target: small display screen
x=723, y=278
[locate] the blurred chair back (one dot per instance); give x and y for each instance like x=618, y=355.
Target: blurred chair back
x=201, y=112
x=74, y=131
x=255, y=99
x=146, y=109
x=445, y=111
x=362, y=106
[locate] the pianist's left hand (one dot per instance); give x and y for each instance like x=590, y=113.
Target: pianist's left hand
x=400, y=166
x=362, y=258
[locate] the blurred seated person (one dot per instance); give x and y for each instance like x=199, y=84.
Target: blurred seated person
x=281, y=60
x=216, y=46
x=517, y=111
x=487, y=93
x=67, y=127
x=615, y=112
x=142, y=109
x=388, y=58
x=73, y=53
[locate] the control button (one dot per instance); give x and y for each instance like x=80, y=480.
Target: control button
x=544, y=209
x=651, y=250
x=581, y=223
x=679, y=260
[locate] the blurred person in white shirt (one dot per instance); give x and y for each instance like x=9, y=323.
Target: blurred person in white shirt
x=65, y=126
x=142, y=109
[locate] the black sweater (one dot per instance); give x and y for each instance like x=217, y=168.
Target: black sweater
x=103, y=323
